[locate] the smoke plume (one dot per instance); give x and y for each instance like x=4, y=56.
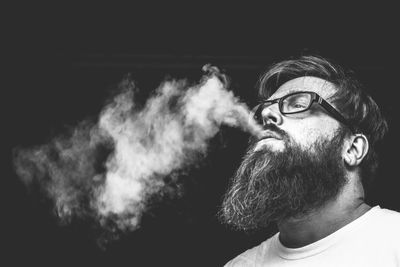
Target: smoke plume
x=142, y=147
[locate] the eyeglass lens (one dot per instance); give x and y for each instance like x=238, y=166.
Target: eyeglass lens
x=296, y=103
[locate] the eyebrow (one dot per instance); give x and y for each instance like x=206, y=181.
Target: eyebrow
x=289, y=92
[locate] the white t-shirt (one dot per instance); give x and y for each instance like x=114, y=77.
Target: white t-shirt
x=373, y=239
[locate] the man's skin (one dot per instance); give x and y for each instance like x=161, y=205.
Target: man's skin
x=306, y=128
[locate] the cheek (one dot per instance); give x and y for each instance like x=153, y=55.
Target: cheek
x=307, y=134
x=305, y=137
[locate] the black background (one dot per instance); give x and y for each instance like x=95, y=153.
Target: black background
x=62, y=63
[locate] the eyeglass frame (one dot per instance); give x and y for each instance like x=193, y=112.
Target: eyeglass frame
x=314, y=98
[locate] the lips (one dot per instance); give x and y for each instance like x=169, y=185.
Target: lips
x=269, y=134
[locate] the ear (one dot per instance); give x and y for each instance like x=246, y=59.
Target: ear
x=357, y=149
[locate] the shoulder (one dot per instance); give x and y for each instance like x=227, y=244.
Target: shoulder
x=386, y=233
x=387, y=216
x=387, y=222
x=250, y=256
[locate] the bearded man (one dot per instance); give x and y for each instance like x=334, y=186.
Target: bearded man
x=310, y=171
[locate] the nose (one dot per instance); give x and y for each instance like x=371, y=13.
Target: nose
x=271, y=115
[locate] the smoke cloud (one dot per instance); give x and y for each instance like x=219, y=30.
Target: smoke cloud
x=107, y=170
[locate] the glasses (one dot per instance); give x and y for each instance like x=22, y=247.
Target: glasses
x=298, y=102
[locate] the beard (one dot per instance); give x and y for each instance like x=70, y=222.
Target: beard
x=271, y=186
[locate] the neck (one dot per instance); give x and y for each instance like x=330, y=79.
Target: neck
x=306, y=229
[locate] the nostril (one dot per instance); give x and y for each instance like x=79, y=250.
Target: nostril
x=269, y=120
x=270, y=116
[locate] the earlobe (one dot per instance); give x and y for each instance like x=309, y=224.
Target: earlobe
x=357, y=150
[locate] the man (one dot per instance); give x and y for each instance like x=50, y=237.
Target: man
x=310, y=172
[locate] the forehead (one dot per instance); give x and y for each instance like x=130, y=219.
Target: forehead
x=307, y=83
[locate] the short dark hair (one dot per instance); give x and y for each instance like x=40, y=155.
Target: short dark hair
x=350, y=99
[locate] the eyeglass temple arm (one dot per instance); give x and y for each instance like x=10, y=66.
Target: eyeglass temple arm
x=332, y=110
